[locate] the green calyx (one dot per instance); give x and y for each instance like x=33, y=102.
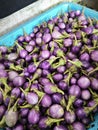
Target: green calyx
x=77, y=63
x=95, y=42
x=59, y=42
x=90, y=109
x=90, y=21
x=19, y=47
x=25, y=43
x=37, y=63
x=93, y=71
x=35, y=76
x=76, y=41
x=85, y=40
x=34, y=50
x=70, y=102
x=2, y=122
x=26, y=106
x=83, y=34
x=84, y=72
x=12, y=99
x=56, y=89
x=50, y=26
x=67, y=79
x=60, y=63
x=94, y=94
x=52, y=48
x=49, y=76
x=53, y=60
x=25, y=92
x=16, y=68
x=73, y=69
x=60, y=53
x=63, y=102
x=66, y=35
x=50, y=121
x=88, y=49
x=39, y=93
x=95, y=31
x=4, y=82
x=70, y=127
x=14, y=107
x=75, y=25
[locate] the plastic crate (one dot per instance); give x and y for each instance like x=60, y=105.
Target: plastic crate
x=9, y=39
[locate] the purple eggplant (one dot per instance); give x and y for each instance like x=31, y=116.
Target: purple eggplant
x=78, y=126
x=84, y=82
x=18, y=81
x=85, y=95
x=69, y=117
x=33, y=116
x=60, y=127
x=46, y=101
x=18, y=127
x=56, y=111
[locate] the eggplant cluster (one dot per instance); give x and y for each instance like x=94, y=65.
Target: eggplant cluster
x=49, y=78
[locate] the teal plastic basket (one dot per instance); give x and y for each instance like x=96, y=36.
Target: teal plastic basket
x=9, y=39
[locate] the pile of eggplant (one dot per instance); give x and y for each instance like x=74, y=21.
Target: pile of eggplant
x=49, y=78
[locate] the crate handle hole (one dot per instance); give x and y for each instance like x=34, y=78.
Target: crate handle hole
x=93, y=125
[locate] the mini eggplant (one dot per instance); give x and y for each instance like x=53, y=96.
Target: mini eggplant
x=33, y=116
x=84, y=82
x=18, y=81
x=60, y=127
x=56, y=111
x=78, y=126
x=46, y=101
x=69, y=117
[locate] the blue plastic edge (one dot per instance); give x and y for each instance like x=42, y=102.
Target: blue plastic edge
x=9, y=38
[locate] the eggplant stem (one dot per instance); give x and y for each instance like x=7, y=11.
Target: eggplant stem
x=39, y=93
x=2, y=122
x=90, y=109
x=49, y=76
x=14, y=106
x=50, y=26
x=95, y=31
x=9, y=105
x=26, y=106
x=95, y=95
x=35, y=50
x=60, y=63
x=56, y=89
x=51, y=121
x=68, y=77
x=84, y=72
x=92, y=71
x=63, y=102
x=76, y=63
x=53, y=60
x=28, y=88
x=16, y=68
x=19, y=47
x=70, y=101
x=35, y=76
x=90, y=21
x=52, y=48
x=25, y=93
x=4, y=82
